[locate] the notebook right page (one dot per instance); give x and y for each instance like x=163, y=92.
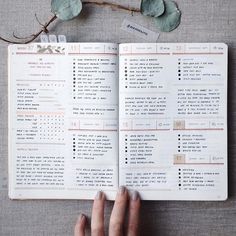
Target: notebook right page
x=173, y=120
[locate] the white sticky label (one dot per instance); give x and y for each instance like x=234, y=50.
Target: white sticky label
x=44, y=38
x=52, y=38
x=139, y=31
x=61, y=38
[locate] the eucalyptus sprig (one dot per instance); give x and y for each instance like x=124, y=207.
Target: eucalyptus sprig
x=165, y=13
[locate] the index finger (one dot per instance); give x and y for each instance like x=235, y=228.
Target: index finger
x=97, y=221
x=134, y=210
x=118, y=213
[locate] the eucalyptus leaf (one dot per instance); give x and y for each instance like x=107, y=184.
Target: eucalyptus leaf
x=170, y=19
x=66, y=9
x=153, y=8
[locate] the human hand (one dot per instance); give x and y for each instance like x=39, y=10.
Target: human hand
x=117, y=218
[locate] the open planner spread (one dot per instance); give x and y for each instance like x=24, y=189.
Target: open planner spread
x=85, y=117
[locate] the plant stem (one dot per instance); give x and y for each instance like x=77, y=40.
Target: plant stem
x=112, y=5
x=45, y=26
x=34, y=36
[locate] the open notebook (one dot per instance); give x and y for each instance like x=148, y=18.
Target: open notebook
x=85, y=117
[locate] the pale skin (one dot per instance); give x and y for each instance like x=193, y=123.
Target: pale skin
x=123, y=203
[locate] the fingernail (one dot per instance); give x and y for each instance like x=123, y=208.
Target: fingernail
x=99, y=195
x=135, y=196
x=121, y=190
x=80, y=218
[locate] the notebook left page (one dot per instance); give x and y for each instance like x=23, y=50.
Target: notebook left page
x=63, y=102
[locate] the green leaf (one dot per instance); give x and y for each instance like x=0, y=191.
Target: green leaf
x=170, y=19
x=153, y=8
x=66, y=9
